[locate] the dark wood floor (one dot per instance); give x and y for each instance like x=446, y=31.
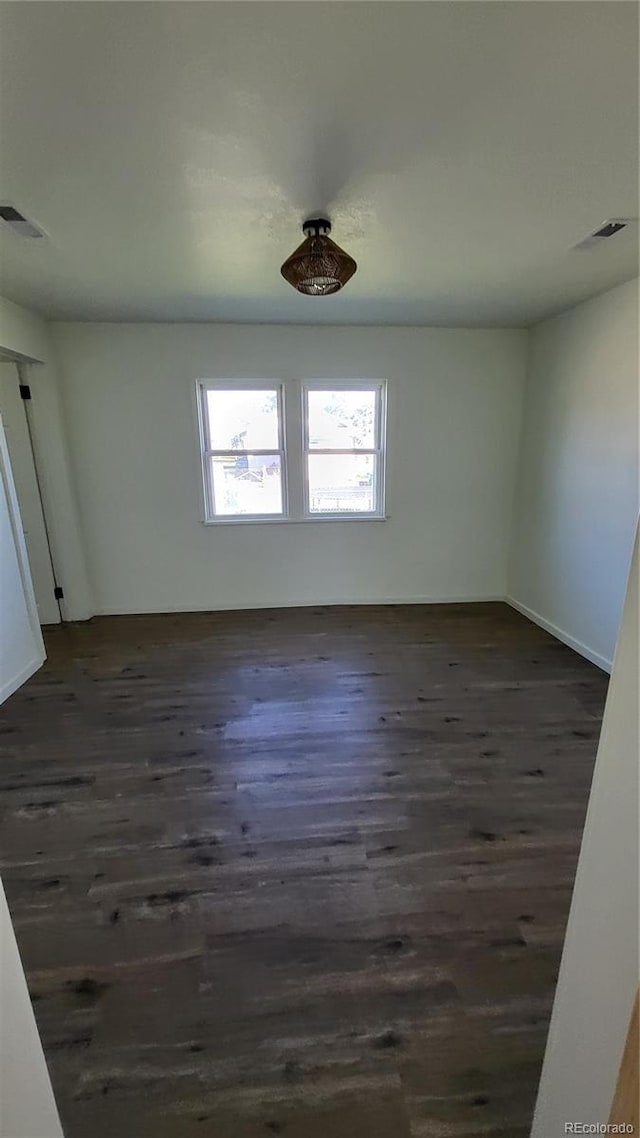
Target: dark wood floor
x=302, y=872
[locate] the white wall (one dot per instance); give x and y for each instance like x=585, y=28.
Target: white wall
x=454, y=415
x=577, y=498
x=26, y=337
x=27, y=1106
x=599, y=972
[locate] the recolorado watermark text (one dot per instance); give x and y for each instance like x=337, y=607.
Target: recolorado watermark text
x=599, y=1128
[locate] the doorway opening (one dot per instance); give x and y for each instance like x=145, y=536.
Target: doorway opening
x=15, y=400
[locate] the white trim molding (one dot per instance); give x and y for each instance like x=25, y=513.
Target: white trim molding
x=293, y=451
x=21, y=678
x=559, y=633
x=301, y=603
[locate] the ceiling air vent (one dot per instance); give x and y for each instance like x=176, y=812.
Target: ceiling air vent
x=607, y=229
x=18, y=223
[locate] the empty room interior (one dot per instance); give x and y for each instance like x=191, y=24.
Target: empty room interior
x=319, y=583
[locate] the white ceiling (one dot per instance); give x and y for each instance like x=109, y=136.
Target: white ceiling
x=171, y=151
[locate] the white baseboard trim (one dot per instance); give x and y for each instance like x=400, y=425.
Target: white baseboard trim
x=560, y=634
x=13, y=684
x=108, y=610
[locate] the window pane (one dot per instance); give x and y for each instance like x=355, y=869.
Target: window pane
x=342, y=483
x=248, y=484
x=243, y=420
x=342, y=420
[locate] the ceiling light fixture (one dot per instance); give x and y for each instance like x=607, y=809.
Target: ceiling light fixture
x=318, y=266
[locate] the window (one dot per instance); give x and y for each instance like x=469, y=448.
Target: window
x=343, y=436
x=242, y=450
x=330, y=456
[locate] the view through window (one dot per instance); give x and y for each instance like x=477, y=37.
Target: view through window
x=342, y=450
x=336, y=469
x=245, y=452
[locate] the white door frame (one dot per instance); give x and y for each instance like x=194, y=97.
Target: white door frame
x=20, y=442
x=15, y=522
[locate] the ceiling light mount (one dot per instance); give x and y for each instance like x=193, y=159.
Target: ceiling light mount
x=316, y=227
x=318, y=267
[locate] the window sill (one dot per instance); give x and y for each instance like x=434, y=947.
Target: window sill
x=294, y=521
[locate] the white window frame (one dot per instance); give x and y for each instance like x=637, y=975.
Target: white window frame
x=293, y=449
x=379, y=387
x=207, y=451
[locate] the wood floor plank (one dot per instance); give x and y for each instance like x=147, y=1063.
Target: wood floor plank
x=301, y=872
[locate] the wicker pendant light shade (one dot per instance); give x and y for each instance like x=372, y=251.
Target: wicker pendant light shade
x=318, y=267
